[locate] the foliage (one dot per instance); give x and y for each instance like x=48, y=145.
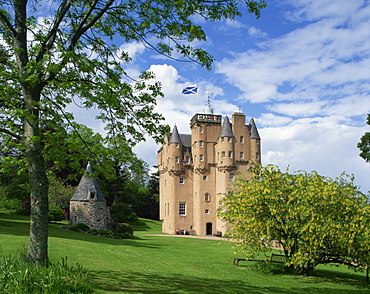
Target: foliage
x=80, y=227
x=55, y=213
x=68, y=54
x=18, y=276
x=364, y=144
x=315, y=219
x=59, y=192
x=122, y=212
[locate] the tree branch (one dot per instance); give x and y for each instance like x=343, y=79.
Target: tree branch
x=2, y=130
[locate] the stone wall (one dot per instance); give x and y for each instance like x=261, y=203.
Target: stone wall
x=95, y=214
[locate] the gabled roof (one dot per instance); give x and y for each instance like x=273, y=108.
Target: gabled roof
x=253, y=130
x=226, y=130
x=87, y=186
x=175, y=137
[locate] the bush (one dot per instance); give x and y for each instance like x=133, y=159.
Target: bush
x=122, y=228
x=80, y=227
x=55, y=213
x=122, y=212
x=19, y=276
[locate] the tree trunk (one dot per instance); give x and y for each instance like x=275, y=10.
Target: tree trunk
x=38, y=243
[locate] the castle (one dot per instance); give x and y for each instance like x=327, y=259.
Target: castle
x=195, y=170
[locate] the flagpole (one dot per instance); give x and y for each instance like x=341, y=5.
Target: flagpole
x=198, y=98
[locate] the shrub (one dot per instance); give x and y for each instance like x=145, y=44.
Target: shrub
x=80, y=227
x=19, y=276
x=55, y=213
x=122, y=212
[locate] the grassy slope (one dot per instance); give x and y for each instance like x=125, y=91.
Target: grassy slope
x=156, y=264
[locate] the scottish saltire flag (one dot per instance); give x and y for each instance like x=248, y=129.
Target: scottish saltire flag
x=190, y=90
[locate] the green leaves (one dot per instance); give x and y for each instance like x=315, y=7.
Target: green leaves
x=310, y=216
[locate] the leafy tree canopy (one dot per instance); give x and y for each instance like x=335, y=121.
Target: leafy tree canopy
x=314, y=219
x=364, y=144
x=53, y=53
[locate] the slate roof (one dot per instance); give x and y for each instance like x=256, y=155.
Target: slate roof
x=87, y=186
x=175, y=137
x=253, y=130
x=226, y=130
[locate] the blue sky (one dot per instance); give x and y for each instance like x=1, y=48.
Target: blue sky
x=302, y=71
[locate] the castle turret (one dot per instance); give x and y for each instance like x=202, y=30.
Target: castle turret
x=176, y=151
x=255, y=149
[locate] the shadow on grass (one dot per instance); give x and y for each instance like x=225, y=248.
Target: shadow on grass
x=323, y=275
x=19, y=226
x=136, y=282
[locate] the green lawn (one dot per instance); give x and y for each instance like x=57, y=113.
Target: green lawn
x=163, y=264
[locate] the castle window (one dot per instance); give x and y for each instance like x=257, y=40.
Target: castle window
x=182, y=208
x=241, y=139
x=223, y=155
x=201, y=143
x=92, y=195
x=204, y=178
x=222, y=139
x=257, y=142
x=207, y=211
x=231, y=177
x=187, y=159
x=177, y=145
x=257, y=156
x=228, y=139
x=201, y=129
x=181, y=180
x=201, y=157
x=177, y=159
x=207, y=197
x=241, y=155
x=230, y=154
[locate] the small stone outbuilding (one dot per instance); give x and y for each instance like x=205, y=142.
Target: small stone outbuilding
x=88, y=206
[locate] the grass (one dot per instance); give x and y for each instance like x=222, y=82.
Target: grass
x=163, y=264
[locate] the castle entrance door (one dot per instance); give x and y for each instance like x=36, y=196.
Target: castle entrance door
x=209, y=229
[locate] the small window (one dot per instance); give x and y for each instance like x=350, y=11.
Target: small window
x=241, y=155
x=222, y=139
x=177, y=159
x=182, y=208
x=92, y=195
x=187, y=159
x=204, y=178
x=228, y=139
x=223, y=154
x=201, y=129
x=177, y=145
x=242, y=139
x=231, y=177
x=201, y=143
x=207, y=211
x=181, y=180
x=257, y=142
x=207, y=197
x=257, y=156
x=201, y=157
x=230, y=154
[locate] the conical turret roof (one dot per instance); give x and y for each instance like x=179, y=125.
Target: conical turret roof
x=226, y=130
x=88, y=188
x=175, y=137
x=253, y=130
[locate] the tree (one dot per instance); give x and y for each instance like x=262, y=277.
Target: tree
x=47, y=62
x=313, y=218
x=364, y=144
